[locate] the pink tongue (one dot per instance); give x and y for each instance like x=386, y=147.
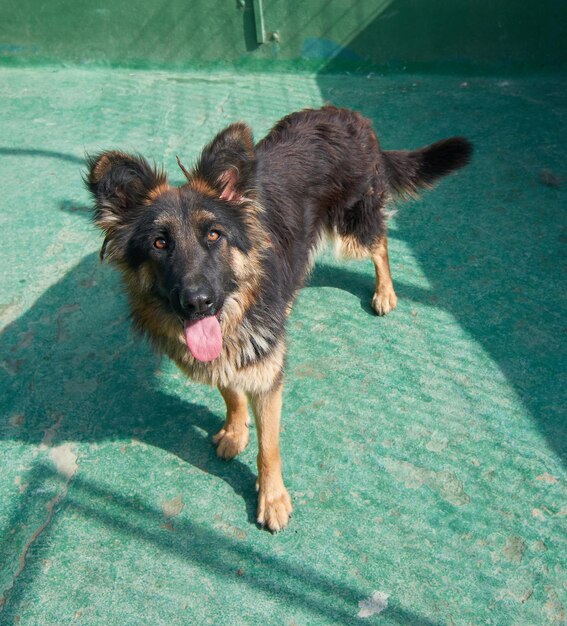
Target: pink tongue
x=204, y=338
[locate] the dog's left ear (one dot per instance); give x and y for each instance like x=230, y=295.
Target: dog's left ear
x=227, y=164
x=120, y=184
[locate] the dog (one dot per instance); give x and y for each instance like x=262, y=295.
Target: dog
x=212, y=267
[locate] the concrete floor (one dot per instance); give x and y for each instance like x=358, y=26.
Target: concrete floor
x=425, y=452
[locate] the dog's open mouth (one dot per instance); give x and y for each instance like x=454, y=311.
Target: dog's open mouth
x=204, y=337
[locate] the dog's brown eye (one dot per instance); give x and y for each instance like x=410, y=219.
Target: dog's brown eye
x=160, y=243
x=213, y=235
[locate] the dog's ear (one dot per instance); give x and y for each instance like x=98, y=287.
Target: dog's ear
x=227, y=164
x=119, y=183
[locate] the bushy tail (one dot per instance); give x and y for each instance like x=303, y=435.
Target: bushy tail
x=410, y=171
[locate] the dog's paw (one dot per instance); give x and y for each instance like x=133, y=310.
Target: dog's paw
x=230, y=442
x=384, y=302
x=274, y=509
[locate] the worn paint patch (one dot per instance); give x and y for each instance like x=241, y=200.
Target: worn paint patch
x=444, y=483
x=81, y=387
x=547, y=478
x=61, y=317
x=22, y=486
x=553, y=607
x=514, y=549
x=437, y=443
x=17, y=420
x=173, y=507
x=25, y=340
x=51, y=432
x=376, y=603
x=539, y=546
x=64, y=459
x=10, y=310
x=308, y=370
x=228, y=529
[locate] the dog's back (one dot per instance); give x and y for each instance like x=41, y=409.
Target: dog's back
x=322, y=171
x=318, y=158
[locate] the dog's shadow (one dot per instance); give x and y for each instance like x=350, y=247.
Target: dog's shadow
x=358, y=279
x=71, y=370
x=360, y=285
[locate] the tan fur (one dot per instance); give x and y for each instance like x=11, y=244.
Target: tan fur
x=240, y=264
x=101, y=167
x=228, y=370
x=384, y=299
x=274, y=503
x=157, y=191
x=233, y=436
x=346, y=246
x=146, y=277
x=201, y=186
x=241, y=131
x=201, y=216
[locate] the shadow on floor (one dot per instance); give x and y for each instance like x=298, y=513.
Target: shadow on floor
x=51, y=154
x=362, y=285
x=71, y=367
x=299, y=586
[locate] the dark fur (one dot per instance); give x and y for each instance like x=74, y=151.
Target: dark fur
x=318, y=172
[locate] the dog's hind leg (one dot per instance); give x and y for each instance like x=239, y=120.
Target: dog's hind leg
x=274, y=503
x=233, y=436
x=384, y=299
x=359, y=232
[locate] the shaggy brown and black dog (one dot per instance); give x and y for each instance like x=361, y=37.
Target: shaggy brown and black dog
x=212, y=267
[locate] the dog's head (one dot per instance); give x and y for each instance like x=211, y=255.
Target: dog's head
x=185, y=249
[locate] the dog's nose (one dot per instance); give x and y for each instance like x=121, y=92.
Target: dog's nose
x=196, y=301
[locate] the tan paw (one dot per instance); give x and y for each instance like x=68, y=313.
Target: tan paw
x=274, y=509
x=384, y=302
x=230, y=443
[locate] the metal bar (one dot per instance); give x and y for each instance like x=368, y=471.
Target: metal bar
x=259, y=20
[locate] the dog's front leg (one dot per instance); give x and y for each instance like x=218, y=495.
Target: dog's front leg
x=232, y=438
x=274, y=503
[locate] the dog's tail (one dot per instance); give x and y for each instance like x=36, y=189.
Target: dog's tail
x=409, y=171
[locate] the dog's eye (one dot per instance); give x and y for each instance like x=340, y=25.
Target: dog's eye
x=213, y=235
x=160, y=243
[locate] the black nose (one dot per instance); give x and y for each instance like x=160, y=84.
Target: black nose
x=196, y=301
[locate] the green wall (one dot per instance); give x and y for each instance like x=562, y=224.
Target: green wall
x=480, y=35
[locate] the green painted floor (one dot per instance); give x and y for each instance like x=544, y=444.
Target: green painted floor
x=425, y=452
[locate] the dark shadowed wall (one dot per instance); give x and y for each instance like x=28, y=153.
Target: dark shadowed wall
x=432, y=35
